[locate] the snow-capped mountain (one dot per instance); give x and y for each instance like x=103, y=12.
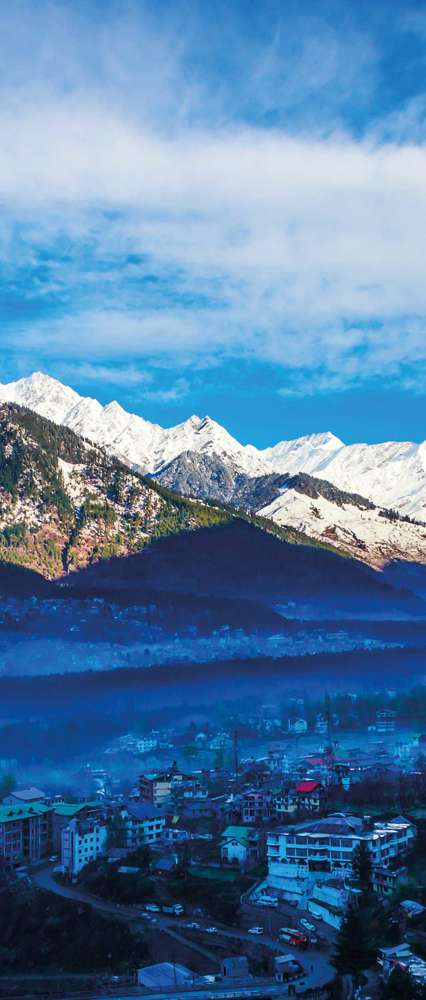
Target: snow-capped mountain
x=126, y=435
x=349, y=522
x=200, y=458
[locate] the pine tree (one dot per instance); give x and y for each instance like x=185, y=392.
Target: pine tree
x=355, y=947
x=362, y=867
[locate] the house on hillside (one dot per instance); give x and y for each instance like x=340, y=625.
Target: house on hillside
x=240, y=845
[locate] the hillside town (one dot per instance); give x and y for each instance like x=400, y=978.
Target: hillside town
x=254, y=866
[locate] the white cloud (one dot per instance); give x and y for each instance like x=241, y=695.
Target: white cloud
x=301, y=250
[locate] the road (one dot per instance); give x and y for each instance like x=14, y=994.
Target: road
x=316, y=964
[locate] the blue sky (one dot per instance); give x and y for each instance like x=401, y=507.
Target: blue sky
x=219, y=208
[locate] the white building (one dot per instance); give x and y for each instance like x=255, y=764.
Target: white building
x=82, y=841
x=300, y=855
x=240, y=845
x=297, y=726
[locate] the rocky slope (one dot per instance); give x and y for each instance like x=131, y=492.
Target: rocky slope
x=348, y=521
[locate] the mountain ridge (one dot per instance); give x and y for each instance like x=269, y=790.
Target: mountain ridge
x=368, y=501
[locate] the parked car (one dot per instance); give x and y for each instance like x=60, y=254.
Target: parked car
x=307, y=925
x=255, y=930
x=176, y=909
x=265, y=900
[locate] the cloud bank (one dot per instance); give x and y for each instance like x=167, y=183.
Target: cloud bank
x=147, y=217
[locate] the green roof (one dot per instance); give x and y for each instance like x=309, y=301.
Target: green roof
x=72, y=808
x=240, y=833
x=9, y=814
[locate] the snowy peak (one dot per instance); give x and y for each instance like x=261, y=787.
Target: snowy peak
x=391, y=475
x=304, y=454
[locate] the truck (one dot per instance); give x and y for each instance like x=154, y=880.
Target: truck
x=176, y=909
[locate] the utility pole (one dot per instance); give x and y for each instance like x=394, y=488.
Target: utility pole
x=236, y=757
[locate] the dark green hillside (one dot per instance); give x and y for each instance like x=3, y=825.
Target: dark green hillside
x=65, y=504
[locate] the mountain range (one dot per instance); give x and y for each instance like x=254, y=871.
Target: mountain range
x=367, y=500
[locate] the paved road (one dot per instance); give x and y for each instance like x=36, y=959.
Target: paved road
x=316, y=963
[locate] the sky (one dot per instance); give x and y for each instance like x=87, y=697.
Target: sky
x=219, y=207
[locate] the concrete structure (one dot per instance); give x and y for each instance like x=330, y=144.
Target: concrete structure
x=166, y=975
x=162, y=789
x=328, y=901
x=64, y=812
x=297, y=726
x=235, y=967
x=143, y=823
x=25, y=833
x=308, y=853
x=240, y=845
x=25, y=795
x=385, y=721
x=82, y=841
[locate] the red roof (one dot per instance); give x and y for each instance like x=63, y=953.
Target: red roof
x=307, y=786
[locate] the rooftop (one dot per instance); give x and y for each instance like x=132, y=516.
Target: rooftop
x=73, y=808
x=9, y=814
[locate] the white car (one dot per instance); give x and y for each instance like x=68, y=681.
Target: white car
x=152, y=908
x=192, y=926
x=307, y=925
x=211, y=930
x=255, y=930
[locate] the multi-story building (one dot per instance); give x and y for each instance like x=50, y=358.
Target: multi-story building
x=317, y=849
x=64, y=812
x=307, y=796
x=25, y=833
x=256, y=807
x=143, y=824
x=385, y=721
x=82, y=841
x=163, y=789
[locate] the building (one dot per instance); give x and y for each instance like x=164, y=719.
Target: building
x=24, y=795
x=143, y=823
x=385, y=880
x=287, y=967
x=235, y=967
x=321, y=724
x=309, y=795
x=167, y=975
x=63, y=812
x=298, y=726
x=313, y=851
x=385, y=721
x=328, y=901
x=162, y=789
x=25, y=833
x=82, y=842
x=240, y=845
x=256, y=807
